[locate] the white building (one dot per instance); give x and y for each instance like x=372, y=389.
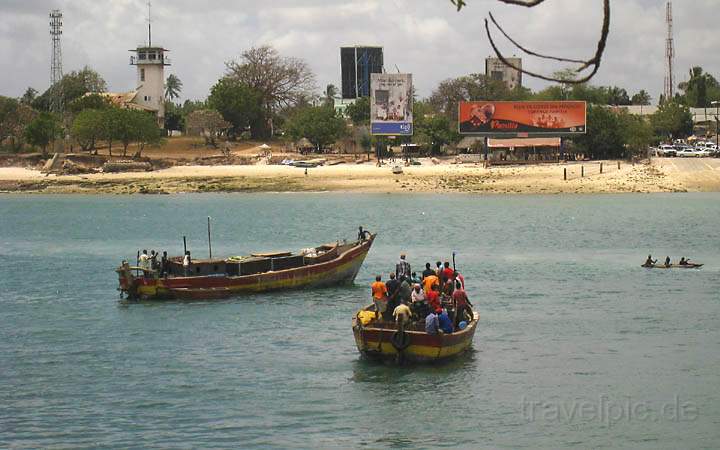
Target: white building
x=150, y=92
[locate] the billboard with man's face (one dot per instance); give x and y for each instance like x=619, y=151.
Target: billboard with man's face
x=391, y=107
x=522, y=118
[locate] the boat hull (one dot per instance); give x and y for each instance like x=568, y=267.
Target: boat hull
x=376, y=343
x=673, y=266
x=338, y=271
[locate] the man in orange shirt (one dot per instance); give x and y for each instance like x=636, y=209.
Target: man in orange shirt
x=379, y=294
x=429, y=281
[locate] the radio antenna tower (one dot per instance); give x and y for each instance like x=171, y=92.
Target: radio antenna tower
x=669, y=55
x=149, y=25
x=56, y=71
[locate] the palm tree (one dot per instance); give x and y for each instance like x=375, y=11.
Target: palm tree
x=696, y=88
x=173, y=87
x=641, y=98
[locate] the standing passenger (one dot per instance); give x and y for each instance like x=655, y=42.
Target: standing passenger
x=379, y=294
x=164, y=265
x=428, y=271
x=144, y=260
x=402, y=268
x=186, y=263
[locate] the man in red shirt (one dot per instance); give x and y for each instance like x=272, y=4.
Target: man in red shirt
x=447, y=273
x=461, y=304
x=433, y=298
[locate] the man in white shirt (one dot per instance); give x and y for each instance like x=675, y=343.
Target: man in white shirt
x=144, y=260
x=186, y=263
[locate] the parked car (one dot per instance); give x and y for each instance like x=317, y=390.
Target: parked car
x=666, y=150
x=702, y=152
x=687, y=152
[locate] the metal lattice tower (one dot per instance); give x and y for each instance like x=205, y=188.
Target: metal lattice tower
x=56, y=72
x=669, y=55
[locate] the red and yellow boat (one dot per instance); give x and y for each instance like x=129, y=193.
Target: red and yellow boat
x=323, y=266
x=376, y=339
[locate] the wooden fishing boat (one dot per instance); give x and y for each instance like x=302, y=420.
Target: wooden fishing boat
x=326, y=265
x=382, y=340
x=673, y=266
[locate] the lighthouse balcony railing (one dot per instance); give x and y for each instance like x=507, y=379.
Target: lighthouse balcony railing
x=134, y=60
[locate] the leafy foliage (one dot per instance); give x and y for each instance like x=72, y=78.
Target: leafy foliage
x=72, y=86
x=91, y=101
x=359, y=111
x=173, y=87
x=604, y=138
x=700, y=90
x=240, y=105
x=14, y=118
x=43, y=130
x=319, y=124
x=672, y=120
x=87, y=128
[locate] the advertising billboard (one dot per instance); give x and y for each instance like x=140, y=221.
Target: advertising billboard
x=522, y=119
x=391, y=107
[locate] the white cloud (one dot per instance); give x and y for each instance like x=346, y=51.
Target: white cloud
x=425, y=37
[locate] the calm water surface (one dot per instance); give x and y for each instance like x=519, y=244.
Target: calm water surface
x=578, y=346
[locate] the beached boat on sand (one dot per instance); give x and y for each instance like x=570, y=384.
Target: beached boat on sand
x=326, y=265
x=382, y=340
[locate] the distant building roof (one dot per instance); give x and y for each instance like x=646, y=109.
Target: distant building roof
x=125, y=100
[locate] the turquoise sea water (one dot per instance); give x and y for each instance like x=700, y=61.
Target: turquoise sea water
x=578, y=346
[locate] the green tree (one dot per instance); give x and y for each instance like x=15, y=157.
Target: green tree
x=147, y=132
x=359, y=111
x=174, y=119
x=636, y=131
x=445, y=98
x=641, y=98
x=604, y=137
x=87, y=128
x=110, y=119
x=240, y=105
x=90, y=101
x=72, y=86
x=320, y=124
x=14, y=118
x=701, y=89
x=173, y=87
x=672, y=120
x=29, y=96
x=435, y=131
x=43, y=130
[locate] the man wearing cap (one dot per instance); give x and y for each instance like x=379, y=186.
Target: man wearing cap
x=402, y=268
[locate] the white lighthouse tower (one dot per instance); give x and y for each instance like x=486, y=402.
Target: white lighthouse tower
x=150, y=61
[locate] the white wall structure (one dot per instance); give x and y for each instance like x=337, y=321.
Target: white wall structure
x=150, y=63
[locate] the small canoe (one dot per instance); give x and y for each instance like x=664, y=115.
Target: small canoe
x=382, y=340
x=673, y=266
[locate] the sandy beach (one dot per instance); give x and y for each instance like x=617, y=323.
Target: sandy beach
x=661, y=175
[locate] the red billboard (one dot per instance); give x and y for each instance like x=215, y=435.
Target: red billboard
x=522, y=118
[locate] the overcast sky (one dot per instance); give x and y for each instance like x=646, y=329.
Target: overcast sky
x=427, y=38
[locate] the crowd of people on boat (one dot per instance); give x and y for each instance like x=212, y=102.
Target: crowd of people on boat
x=436, y=298
x=650, y=262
